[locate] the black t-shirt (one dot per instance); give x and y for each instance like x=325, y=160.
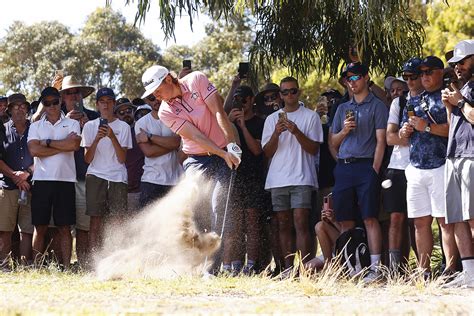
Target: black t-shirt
x=326, y=162
x=251, y=166
x=2, y=150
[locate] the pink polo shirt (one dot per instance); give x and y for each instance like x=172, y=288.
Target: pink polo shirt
x=192, y=109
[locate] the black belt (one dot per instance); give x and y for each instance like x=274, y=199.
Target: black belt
x=354, y=160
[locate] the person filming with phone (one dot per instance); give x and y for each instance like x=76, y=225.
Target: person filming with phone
x=106, y=141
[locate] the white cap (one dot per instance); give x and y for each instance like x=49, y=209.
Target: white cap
x=143, y=107
x=389, y=80
x=462, y=50
x=152, y=79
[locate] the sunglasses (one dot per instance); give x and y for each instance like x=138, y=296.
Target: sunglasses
x=428, y=72
x=22, y=106
x=410, y=77
x=288, y=91
x=54, y=102
x=270, y=98
x=127, y=111
x=151, y=98
x=353, y=78
x=71, y=92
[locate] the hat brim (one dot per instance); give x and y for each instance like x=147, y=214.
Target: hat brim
x=129, y=104
x=85, y=90
x=26, y=102
x=457, y=58
x=261, y=93
x=152, y=88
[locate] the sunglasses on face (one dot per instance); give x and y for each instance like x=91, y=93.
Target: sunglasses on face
x=288, y=91
x=127, y=111
x=22, y=106
x=353, y=78
x=71, y=92
x=428, y=72
x=410, y=77
x=151, y=98
x=49, y=103
x=271, y=97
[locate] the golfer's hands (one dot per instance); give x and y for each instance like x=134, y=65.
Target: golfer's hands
x=233, y=155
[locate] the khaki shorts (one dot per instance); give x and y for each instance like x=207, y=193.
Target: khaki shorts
x=459, y=193
x=11, y=211
x=104, y=197
x=83, y=221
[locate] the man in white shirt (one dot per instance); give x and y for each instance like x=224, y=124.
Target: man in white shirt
x=52, y=140
x=395, y=195
x=106, y=141
x=160, y=147
x=291, y=138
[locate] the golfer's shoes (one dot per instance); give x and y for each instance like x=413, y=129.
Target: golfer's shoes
x=373, y=275
x=462, y=280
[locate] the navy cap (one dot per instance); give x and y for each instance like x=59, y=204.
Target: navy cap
x=49, y=91
x=243, y=91
x=412, y=65
x=123, y=102
x=356, y=68
x=104, y=92
x=432, y=62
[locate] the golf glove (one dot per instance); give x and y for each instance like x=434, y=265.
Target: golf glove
x=235, y=150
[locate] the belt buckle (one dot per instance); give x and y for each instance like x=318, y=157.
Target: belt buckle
x=349, y=160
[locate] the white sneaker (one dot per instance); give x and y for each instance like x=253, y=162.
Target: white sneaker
x=373, y=275
x=462, y=280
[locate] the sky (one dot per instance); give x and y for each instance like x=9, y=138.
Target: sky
x=73, y=13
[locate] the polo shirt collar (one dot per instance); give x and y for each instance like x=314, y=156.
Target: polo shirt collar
x=367, y=99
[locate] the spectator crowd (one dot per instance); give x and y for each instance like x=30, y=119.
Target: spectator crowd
x=387, y=160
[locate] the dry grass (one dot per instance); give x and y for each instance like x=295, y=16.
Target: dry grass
x=51, y=291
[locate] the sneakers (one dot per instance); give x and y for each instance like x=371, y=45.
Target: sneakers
x=462, y=280
x=372, y=276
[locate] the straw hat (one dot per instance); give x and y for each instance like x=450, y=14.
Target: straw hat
x=69, y=82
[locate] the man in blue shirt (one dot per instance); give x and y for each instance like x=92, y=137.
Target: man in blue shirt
x=459, y=169
x=427, y=130
x=358, y=134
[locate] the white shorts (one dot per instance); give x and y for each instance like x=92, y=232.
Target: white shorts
x=425, y=192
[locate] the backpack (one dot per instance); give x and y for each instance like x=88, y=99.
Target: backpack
x=353, y=251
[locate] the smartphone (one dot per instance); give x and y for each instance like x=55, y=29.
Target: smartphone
x=103, y=122
x=282, y=116
x=79, y=106
x=187, y=63
x=237, y=104
x=243, y=70
x=410, y=110
x=350, y=114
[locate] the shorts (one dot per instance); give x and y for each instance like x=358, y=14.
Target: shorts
x=12, y=213
x=395, y=198
x=425, y=192
x=459, y=191
x=151, y=192
x=104, y=198
x=56, y=197
x=291, y=197
x=356, y=191
x=83, y=221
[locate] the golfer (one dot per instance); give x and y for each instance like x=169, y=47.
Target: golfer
x=192, y=108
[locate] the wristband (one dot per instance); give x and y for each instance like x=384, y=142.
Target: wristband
x=48, y=142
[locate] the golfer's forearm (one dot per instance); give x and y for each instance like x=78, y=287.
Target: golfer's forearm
x=225, y=126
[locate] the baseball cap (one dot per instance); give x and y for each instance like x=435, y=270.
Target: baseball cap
x=104, y=92
x=122, y=102
x=243, y=91
x=412, y=65
x=462, y=50
x=49, y=91
x=144, y=107
x=152, y=78
x=17, y=98
x=389, y=80
x=356, y=68
x=332, y=92
x=432, y=62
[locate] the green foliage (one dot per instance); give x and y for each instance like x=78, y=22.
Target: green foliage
x=448, y=25
x=311, y=34
x=106, y=52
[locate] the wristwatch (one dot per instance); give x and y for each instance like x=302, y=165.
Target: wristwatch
x=461, y=103
x=48, y=142
x=428, y=127
x=149, y=136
